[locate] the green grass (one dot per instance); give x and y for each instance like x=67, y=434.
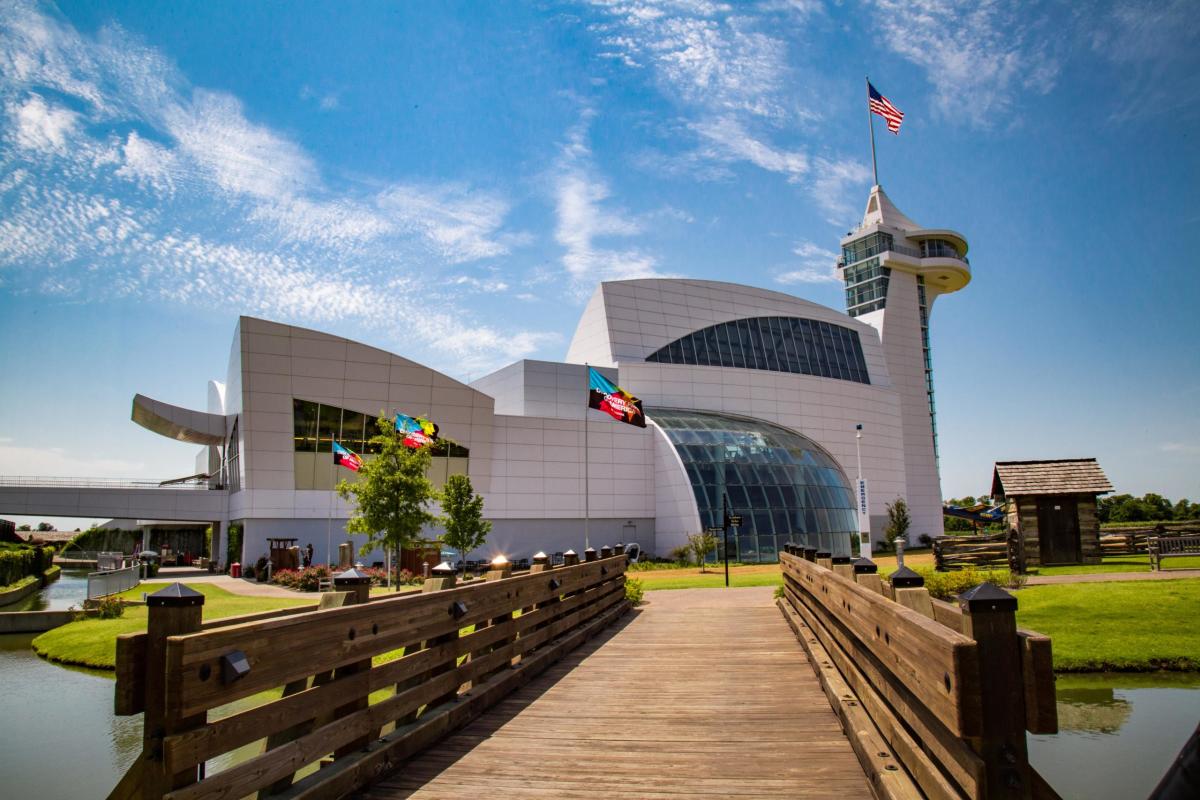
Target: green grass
x=692, y=578
x=21, y=584
x=1127, y=626
x=1136, y=563
x=93, y=642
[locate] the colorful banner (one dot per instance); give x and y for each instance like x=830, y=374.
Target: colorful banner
x=418, y=431
x=344, y=457
x=606, y=396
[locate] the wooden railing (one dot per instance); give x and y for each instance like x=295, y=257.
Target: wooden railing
x=325, y=714
x=987, y=550
x=1135, y=541
x=935, y=698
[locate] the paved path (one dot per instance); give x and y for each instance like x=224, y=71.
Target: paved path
x=1101, y=577
x=697, y=693
x=234, y=585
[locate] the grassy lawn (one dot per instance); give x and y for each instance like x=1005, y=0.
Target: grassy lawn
x=93, y=642
x=1132, y=626
x=713, y=577
x=1139, y=563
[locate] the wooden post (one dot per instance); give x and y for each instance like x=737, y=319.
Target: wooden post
x=990, y=618
x=809, y=553
x=825, y=559
x=501, y=568
x=541, y=562
x=866, y=574
x=908, y=589
x=841, y=565
x=173, y=611
x=570, y=558
x=358, y=584
x=589, y=554
x=606, y=552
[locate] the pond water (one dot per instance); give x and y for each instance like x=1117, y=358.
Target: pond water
x=69, y=590
x=61, y=739
x=1118, y=733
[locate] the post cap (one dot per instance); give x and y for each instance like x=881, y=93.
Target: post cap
x=824, y=554
x=569, y=553
x=905, y=578
x=864, y=566
x=987, y=597
x=175, y=596
x=841, y=559
x=351, y=577
x=541, y=557
x=443, y=569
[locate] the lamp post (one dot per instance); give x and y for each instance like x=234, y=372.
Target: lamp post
x=860, y=491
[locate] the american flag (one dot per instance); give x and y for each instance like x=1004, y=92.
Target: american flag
x=883, y=107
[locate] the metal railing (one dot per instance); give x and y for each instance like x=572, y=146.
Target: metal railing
x=102, y=584
x=54, y=481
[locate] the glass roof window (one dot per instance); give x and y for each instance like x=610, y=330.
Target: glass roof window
x=778, y=344
x=783, y=485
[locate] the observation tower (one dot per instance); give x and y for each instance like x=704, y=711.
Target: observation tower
x=894, y=269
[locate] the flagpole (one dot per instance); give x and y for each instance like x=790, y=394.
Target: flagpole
x=871, y=124
x=587, y=505
x=329, y=519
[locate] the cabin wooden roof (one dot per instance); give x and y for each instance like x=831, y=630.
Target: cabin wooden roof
x=1063, y=476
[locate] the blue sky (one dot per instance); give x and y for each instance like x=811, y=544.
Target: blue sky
x=449, y=181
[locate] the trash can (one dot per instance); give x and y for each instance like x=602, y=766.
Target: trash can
x=235, y=570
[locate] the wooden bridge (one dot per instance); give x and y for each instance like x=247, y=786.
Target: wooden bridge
x=546, y=684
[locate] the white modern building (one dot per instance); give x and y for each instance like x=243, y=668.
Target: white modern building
x=752, y=398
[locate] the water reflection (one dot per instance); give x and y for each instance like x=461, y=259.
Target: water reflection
x=1118, y=733
x=69, y=590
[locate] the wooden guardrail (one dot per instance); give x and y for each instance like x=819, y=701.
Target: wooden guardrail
x=987, y=550
x=449, y=653
x=1135, y=541
x=935, y=698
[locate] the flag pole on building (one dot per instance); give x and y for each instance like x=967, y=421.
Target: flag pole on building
x=871, y=124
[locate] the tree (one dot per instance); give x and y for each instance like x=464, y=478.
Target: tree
x=898, y=523
x=24, y=527
x=466, y=529
x=391, y=502
x=45, y=526
x=700, y=545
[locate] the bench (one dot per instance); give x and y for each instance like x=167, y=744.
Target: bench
x=1161, y=547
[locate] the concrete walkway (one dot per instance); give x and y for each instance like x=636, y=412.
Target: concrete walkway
x=1104, y=577
x=234, y=585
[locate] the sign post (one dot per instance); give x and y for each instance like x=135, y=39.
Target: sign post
x=730, y=520
x=864, y=520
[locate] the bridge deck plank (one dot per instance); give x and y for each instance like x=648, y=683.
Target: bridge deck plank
x=699, y=693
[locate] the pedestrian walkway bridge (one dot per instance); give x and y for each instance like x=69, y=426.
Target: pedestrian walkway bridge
x=548, y=684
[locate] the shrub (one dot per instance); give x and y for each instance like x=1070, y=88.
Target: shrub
x=109, y=607
x=17, y=561
x=898, y=523
x=779, y=593
x=634, y=591
x=925, y=539
x=949, y=585
x=682, y=554
x=302, y=580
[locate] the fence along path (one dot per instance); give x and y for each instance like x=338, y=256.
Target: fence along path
x=696, y=693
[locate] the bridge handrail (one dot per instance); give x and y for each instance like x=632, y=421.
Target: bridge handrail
x=457, y=648
x=936, y=698
x=112, y=581
x=57, y=481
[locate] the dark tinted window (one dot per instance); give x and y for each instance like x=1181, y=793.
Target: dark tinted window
x=779, y=344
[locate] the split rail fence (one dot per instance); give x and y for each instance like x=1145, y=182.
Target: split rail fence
x=326, y=713
x=935, y=698
x=987, y=550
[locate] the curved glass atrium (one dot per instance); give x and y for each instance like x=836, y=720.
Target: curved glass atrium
x=784, y=486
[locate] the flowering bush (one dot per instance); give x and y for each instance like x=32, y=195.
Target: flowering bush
x=304, y=580
x=405, y=578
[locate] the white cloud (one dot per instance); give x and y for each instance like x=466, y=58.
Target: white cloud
x=730, y=141
x=585, y=217
x=978, y=55
x=147, y=163
x=461, y=224
x=817, y=265
x=139, y=185
x=42, y=126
